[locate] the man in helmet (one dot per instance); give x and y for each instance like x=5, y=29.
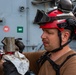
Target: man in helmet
x=58, y=30
x=57, y=58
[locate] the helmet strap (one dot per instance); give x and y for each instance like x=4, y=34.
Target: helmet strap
x=61, y=46
x=59, y=35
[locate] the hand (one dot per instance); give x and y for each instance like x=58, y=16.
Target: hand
x=9, y=68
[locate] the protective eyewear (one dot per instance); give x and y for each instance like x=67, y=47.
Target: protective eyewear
x=42, y=17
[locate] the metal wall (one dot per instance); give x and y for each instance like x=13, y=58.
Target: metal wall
x=16, y=20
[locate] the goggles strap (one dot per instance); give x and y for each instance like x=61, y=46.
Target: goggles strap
x=63, y=17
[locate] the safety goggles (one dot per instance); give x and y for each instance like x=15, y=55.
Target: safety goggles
x=42, y=17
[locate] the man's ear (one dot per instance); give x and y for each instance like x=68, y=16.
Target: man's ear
x=65, y=35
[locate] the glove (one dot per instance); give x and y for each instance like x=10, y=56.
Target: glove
x=20, y=45
x=9, y=68
x=30, y=73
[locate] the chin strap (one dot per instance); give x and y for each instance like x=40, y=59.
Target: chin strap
x=61, y=47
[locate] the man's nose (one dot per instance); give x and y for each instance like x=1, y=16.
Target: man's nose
x=43, y=35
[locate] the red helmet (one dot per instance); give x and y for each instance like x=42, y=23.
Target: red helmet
x=56, y=19
x=56, y=22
